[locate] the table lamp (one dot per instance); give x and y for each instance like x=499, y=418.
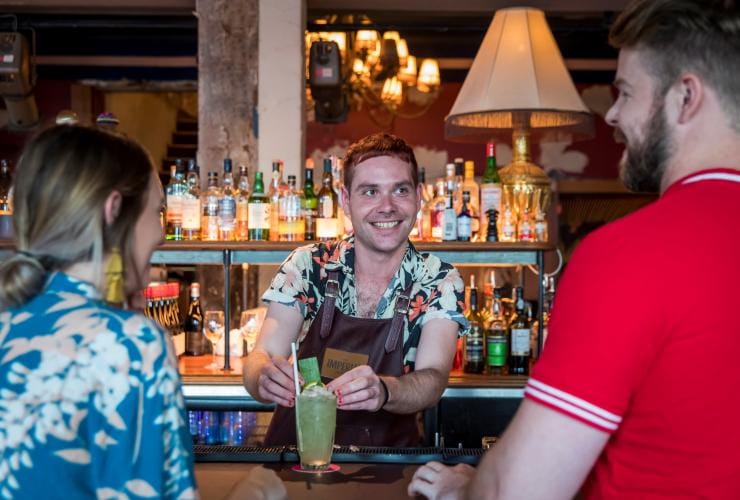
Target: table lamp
x=518, y=84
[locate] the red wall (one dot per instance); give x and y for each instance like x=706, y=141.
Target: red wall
x=428, y=131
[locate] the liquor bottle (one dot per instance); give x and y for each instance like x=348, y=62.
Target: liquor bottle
x=449, y=221
x=524, y=230
x=519, y=331
x=508, y=226
x=549, y=284
x=490, y=188
x=274, y=195
x=209, y=204
x=242, y=205
x=492, y=228
x=472, y=187
x=291, y=226
x=326, y=222
x=6, y=207
x=427, y=199
x=259, y=211
x=459, y=164
x=227, y=205
x=176, y=191
x=438, y=210
x=309, y=202
x=464, y=227
x=540, y=227
x=422, y=229
x=194, y=339
x=451, y=184
x=474, y=362
x=344, y=223
x=191, y=211
x=497, y=341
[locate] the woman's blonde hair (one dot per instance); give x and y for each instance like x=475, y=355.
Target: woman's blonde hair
x=62, y=181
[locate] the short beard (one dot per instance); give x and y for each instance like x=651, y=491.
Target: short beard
x=645, y=163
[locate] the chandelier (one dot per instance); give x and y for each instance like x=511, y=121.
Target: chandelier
x=375, y=72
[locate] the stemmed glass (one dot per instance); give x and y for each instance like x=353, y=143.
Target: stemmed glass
x=213, y=328
x=249, y=327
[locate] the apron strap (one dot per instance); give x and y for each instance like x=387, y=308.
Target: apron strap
x=402, y=309
x=330, y=299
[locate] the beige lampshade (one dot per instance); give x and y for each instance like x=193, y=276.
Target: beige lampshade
x=518, y=77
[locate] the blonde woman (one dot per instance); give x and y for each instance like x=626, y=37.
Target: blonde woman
x=90, y=399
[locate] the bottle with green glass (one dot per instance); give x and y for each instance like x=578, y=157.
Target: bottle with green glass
x=309, y=202
x=259, y=211
x=491, y=191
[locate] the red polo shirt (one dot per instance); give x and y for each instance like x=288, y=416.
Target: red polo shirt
x=644, y=344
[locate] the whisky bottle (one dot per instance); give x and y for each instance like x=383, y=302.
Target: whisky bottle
x=209, y=205
x=490, y=188
x=176, y=190
x=519, y=331
x=474, y=362
x=242, y=205
x=194, y=338
x=508, y=226
x=291, y=226
x=449, y=221
x=472, y=187
x=464, y=226
x=259, y=211
x=191, y=211
x=275, y=194
x=438, y=210
x=227, y=205
x=497, y=342
x=309, y=202
x=326, y=222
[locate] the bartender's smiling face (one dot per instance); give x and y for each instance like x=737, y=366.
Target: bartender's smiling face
x=382, y=203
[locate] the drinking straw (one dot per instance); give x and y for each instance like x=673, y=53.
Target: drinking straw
x=295, y=369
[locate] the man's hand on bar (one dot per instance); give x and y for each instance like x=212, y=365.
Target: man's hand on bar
x=436, y=481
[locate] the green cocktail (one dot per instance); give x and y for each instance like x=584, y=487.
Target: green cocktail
x=316, y=419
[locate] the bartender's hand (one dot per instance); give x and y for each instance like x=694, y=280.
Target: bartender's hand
x=275, y=381
x=358, y=389
x=439, y=482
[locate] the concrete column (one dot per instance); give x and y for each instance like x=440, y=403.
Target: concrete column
x=282, y=84
x=227, y=83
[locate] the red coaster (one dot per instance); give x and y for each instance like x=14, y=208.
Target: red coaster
x=298, y=468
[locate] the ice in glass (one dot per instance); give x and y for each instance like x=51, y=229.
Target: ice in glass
x=316, y=415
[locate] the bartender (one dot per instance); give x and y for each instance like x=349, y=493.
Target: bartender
x=382, y=318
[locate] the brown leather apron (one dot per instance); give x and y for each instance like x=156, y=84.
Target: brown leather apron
x=382, y=341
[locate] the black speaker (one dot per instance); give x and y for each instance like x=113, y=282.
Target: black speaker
x=326, y=82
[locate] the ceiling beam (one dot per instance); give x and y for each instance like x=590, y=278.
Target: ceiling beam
x=459, y=6
x=99, y=7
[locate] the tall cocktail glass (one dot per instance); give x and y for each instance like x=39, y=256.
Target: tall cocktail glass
x=316, y=419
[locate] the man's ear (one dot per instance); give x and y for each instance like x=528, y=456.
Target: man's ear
x=345, y=200
x=691, y=92
x=112, y=207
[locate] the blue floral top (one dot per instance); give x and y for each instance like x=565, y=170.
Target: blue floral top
x=90, y=401
x=438, y=290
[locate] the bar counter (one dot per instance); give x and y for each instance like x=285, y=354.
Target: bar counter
x=363, y=472
x=221, y=390
x=386, y=481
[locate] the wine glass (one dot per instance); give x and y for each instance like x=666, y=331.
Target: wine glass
x=213, y=328
x=249, y=327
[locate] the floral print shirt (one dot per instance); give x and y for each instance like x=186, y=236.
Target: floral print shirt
x=438, y=290
x=90, y=401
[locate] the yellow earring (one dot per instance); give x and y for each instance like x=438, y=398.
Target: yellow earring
x=114, y=278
